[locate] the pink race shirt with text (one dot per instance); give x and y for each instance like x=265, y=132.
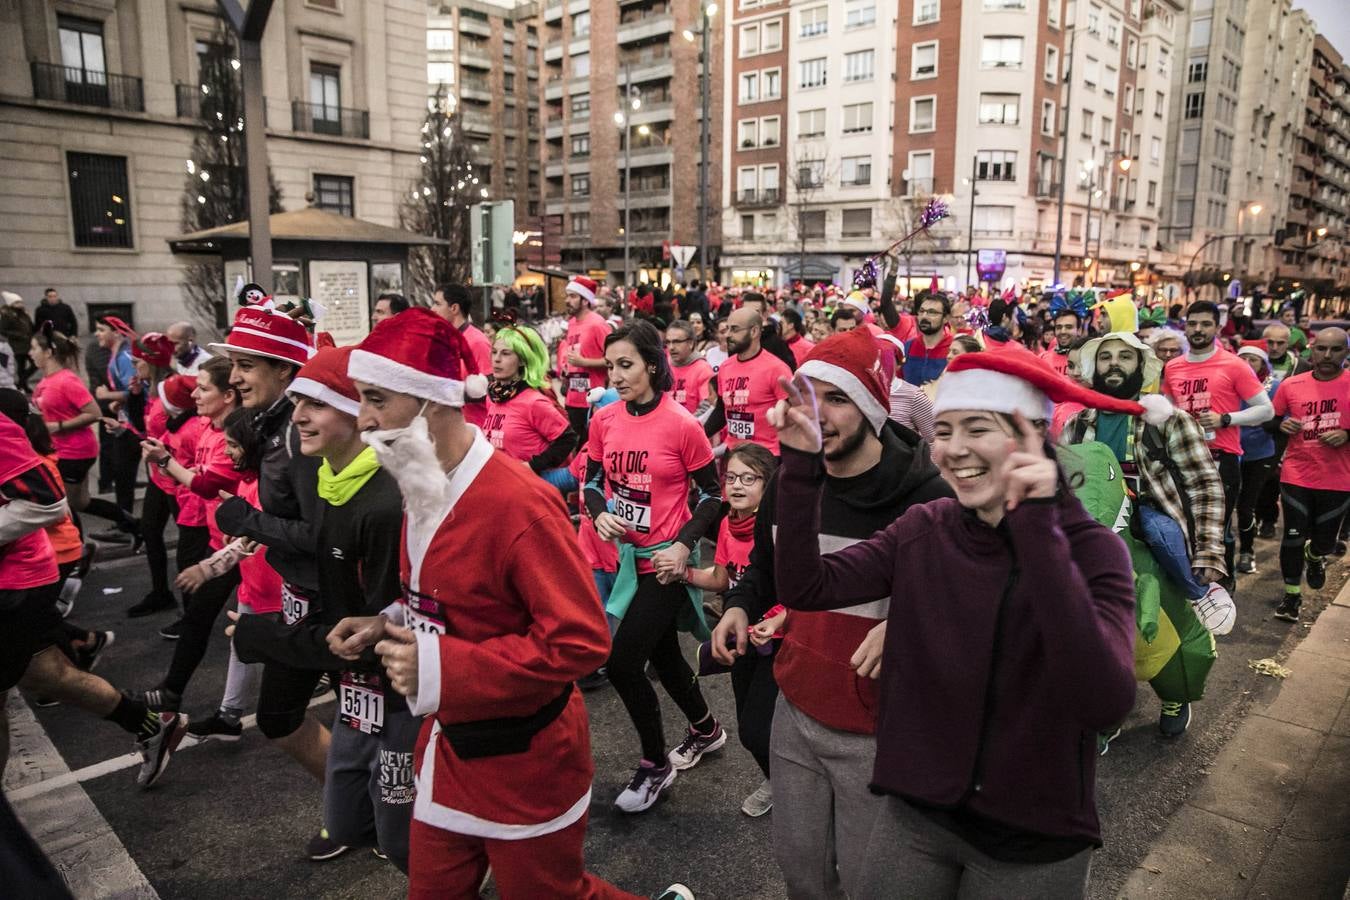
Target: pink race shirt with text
x=60, y=396
x=749, y=389
x=524, y=425
x=1321, y=406
x=691, y=383
x=587, y=337
x=1217, y=385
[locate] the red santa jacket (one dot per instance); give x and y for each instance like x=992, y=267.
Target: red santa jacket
x=502, y=574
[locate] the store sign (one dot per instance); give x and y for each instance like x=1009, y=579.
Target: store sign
x=990, y=264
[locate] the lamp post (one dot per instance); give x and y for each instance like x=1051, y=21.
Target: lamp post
x=1098, y=185
x=1253, y=210
x=634, y=101
x=706, y=11
x=1064, y=149
x=970, y=226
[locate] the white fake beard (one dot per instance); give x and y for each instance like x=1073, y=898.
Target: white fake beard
x=410, y=456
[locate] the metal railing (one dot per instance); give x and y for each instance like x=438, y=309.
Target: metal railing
x=751, y=197
x=338, y=121
x=88, y=87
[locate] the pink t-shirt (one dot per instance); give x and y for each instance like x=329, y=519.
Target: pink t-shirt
x=647, y=461
x=29, y=561
x=587, y=337
x=475, y=411
x=800, y=346
x=157, y=426
x=1322, y=407
x=524, y=425
x=906, y=329
x=259, y=583
x=1218, y=385
x=691, y=383
x=1058, y=361
x=210, y=456
x=599, y=554
x=732, y=552
x=60, y=397
x=748, y=390
x=182, y=444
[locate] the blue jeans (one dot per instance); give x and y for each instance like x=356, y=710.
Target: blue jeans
x=1167, y=542
x=604, y=583
x=561, y=478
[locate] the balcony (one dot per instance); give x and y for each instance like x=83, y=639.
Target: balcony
x=644, y=27
x=473, y=26
x=476, y=122
x=87, y=87
x=553, y=11
x=749, y=198
x=335, y=121
x=652, y=155
x=476, y=54
x=474, y=87
x=1047, y=187
x=918, y=187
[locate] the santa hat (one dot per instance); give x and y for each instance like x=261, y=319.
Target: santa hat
x=851, y=362
x=175, y=392
x=1022, y=382
x=583, y=287
x=154, y=348
x=324, y=378
x=858, y=301
x=258, y=331
x=419, y=353
x=1257, y=349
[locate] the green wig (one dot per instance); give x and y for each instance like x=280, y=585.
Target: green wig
x=529, y=348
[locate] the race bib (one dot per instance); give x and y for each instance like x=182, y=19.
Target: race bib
x=634, y=507
x=578, y=383
x=741, y=425
x=423, y=614
x=294, y=607
x=361, y=702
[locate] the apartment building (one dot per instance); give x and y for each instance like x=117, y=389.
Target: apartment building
x=1313, y=249
x=98, y=112
x=631, y=58
x=483, y=58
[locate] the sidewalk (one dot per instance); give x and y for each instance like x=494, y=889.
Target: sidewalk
x=1272, y=819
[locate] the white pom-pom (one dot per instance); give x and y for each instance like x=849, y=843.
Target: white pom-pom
x=1157, y=409
x=593, y=395
x=475, y=386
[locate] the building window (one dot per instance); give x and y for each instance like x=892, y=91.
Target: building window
x=769, y=128
x=1108, y=124
x=926, y=11
x=749, y=92
x=325, y=97
x=1155, y=149
x=508, y=81
x=1052, y=13
x=1092, y=71
x=772, y=37
x=814, y=21
x=860, y=66
x=440, y=73
x=1195, y=106
x=812, y=73
x=440, y=39
x=994, y=220
x=581, y=24
x=1048, y=118
x=855, y=170
x=749, y=40
x=581, y=185
x=811, y=173
x=581, y=106
x=773, y=83
x=812, y=223
x=811, y=123
x=857, y=118
x=581, y=223
x=922, y=114
x=1200, y=33
x=920, y=173
x=581, y=145
x=1001, y=52
x=1051, y=64
x=747, y=182
x=748, y=133
x=747, y=228
x=768, y=182
x=82, y=51
x=100, y=206
x=1113, y=32
x=1131, y=52
x=996, y=165
x=1159, y=103
x=1094, y=19
x=1197, y=71
x=581, y=65
x=999, y=109
x=860, y=13
x=856, y=223
x=923, y=60
x=1087, y=123
x=1129, y=100
x=334, y=193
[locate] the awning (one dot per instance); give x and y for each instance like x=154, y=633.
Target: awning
x=310, y=224
x=810, y=269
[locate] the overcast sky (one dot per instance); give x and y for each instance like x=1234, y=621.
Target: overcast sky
x=1333, y=21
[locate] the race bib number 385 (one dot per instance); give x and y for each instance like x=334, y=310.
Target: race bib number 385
x=634, y=507
x=741, y=425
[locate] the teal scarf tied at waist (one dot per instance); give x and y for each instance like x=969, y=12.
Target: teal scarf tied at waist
x=689, y=619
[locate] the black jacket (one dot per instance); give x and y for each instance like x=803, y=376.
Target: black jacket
x=61, y=316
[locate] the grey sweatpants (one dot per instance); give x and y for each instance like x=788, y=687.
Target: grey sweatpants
x=368, y=789
x=910, y=856
x=822, y=809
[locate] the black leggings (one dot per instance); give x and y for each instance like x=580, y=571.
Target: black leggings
x=756, y=693
x=578, y=417
x=1230, y=473
x=200, y=611
x=1256, y=474
x=156, y=512
x=1309, y=515
x=124, y=457
x=283, y=698
x=648, y=632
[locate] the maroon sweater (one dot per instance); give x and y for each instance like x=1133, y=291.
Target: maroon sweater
x=1007, y=649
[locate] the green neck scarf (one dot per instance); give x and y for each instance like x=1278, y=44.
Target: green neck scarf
x=336, y=488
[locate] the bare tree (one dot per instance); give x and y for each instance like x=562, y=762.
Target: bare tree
x=810, y=168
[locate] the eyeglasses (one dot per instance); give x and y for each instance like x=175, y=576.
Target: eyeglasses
x=749, y=479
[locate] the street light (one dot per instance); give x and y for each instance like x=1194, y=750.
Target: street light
x=621, y=120
x=970, y=226
x=707, y=11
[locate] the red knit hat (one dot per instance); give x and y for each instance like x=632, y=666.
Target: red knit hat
x=324, y=378
x=852, y=362
x=154, y=348
x=1025, y=383
x=175, y=392
x=259, y=331
x=583, y=287
x=417, y=352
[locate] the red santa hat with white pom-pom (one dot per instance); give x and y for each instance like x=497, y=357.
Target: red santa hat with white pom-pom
x=419, y=353
x=1021, y=382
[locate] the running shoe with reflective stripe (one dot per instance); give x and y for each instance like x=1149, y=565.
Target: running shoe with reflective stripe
x=647, y=784
x=1288, y=608
x=694, y=745
x=159, y=747
x=1174, y=719
x=1316, y=575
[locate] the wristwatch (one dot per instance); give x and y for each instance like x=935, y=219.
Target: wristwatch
x=164, y=463
x=1225, y=420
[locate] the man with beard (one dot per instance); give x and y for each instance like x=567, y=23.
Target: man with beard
x=582, y=353
x=1315, y=476
x=1170, y=470
x=1283, y=364
x=823, y=725
x=1067, y=327
x=747, y=384
x=1222, y=393
x=926, y=355
x=769, y=337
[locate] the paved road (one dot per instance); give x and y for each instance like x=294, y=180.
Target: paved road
x=229, y=821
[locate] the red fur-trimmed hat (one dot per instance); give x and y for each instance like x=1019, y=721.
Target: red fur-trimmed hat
x=852, y=362
x=175, y=392
x=417, y=352
x=324, y=378
x=259, y=331
x=154, y=348
x=583, y=287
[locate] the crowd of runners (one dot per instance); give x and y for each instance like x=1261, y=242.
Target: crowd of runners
x=933, y=541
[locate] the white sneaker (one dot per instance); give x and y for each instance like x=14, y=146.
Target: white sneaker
x=647, y=784
x=694, y=745
x=676, y=892
x=760, y=801
x=1216, y=609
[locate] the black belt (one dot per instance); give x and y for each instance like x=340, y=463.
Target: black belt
x=504, y=736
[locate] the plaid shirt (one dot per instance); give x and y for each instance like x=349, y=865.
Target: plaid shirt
x=1184, y=443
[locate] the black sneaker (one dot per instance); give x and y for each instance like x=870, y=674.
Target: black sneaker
x=1246, y=564
x=1288, y=608
x=1267, y=530
x=1174, y=719
x=86, y=657
x=1104, y=740
x=324, y=686
x=322, y=847
x=1316, y=574
x=216, y=728
x=162, y=700
x=45, y=702
x=150, y=604
x=173, y=631
x=1340, y=549
x=156, y=749
x=594, y=681
x=112, y=536
x=87, y=559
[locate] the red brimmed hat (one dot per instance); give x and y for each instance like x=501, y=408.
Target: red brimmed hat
x=417, y=352
x=154, y=348
x=583, y=287
x=1023, y=382
x=175, y=392
x=324, y=378
x=852, y=362
x=258, y=331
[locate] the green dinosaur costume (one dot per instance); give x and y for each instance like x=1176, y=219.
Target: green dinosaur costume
x=1174, y=651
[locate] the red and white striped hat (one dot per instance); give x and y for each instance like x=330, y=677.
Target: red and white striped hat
x=259, y=331
x=417, y=352
x=583, y=287
x=324, y=378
